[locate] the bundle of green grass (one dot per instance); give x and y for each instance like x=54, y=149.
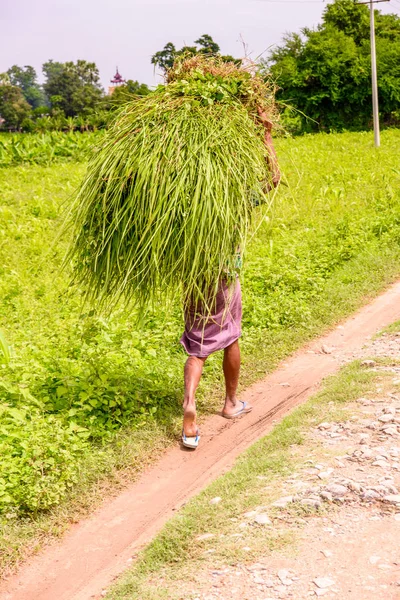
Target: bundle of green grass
x=167, y=198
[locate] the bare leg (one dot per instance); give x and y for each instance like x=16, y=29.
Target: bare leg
x=193, y=371
x=231, y=366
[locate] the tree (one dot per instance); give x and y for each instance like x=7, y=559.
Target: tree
x=73, y=87
x=207, y=45
x=26, y=79
x=325, y=72
x=122, y=93
x=349, y=17
x=165, y=58
x=51, y=70
x=13, y=106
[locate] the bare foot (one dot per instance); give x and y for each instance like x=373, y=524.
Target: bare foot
x=189, y=421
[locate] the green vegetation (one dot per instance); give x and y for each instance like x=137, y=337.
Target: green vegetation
x=205, y=45
x=167, y=199
x=80, y=388
x=45, y=149
x=25, y=79
x=72, y=88
x=4, y=349
x=71, y=98
x=255, y=480
x=325, y=73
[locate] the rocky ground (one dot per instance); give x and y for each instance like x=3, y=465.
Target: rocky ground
x=344, y=506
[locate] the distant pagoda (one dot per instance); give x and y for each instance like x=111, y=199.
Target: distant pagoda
x=116, y=81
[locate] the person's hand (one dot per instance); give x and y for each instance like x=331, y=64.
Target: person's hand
x=276, y=178
x=270, y=184
x=264, y=119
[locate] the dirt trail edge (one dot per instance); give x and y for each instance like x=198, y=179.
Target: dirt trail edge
x=97, y=549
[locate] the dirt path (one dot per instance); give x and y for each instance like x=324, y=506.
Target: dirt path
x=342, y=506
x=99, y=548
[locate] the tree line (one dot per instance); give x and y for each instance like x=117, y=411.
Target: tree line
x=325, y=73
x=70, y=98
x=322, y=75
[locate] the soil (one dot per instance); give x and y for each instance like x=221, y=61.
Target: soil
x=96, y=550
x=343, y=507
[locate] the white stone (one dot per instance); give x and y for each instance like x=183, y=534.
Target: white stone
x=205, y=536
x=386, y=418
x=325, y=474
x=390, y=430
x=250, y=514
x=314, y=502
x=282, y=502
x=215, y=500
x=392, y=498
x=370, y=495
x=283, y=575
x=326, y=496
x=323, y=582
x=326, y=349
x=263, y=519
x=337, y=490
x=367, y=452
x=381, y=463
x=368, y=363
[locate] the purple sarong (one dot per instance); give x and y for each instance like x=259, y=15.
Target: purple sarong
x=204, y=335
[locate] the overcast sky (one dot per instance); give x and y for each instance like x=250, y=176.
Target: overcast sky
x=128, y=32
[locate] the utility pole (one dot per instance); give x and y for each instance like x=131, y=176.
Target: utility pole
x=375, y=103
x=374, y=78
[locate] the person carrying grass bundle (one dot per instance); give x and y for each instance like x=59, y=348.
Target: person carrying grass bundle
x=219, y=329
x=168, y=198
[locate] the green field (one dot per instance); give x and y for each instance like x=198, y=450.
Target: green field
x=45, y=148
x=88, y=399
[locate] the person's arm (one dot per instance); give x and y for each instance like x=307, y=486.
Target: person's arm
x=272, y=159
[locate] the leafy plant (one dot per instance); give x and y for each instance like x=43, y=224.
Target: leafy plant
x=45, y=149
x=39, y=454
x=4, y=349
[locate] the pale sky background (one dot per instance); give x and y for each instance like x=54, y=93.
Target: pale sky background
x=128, y=32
